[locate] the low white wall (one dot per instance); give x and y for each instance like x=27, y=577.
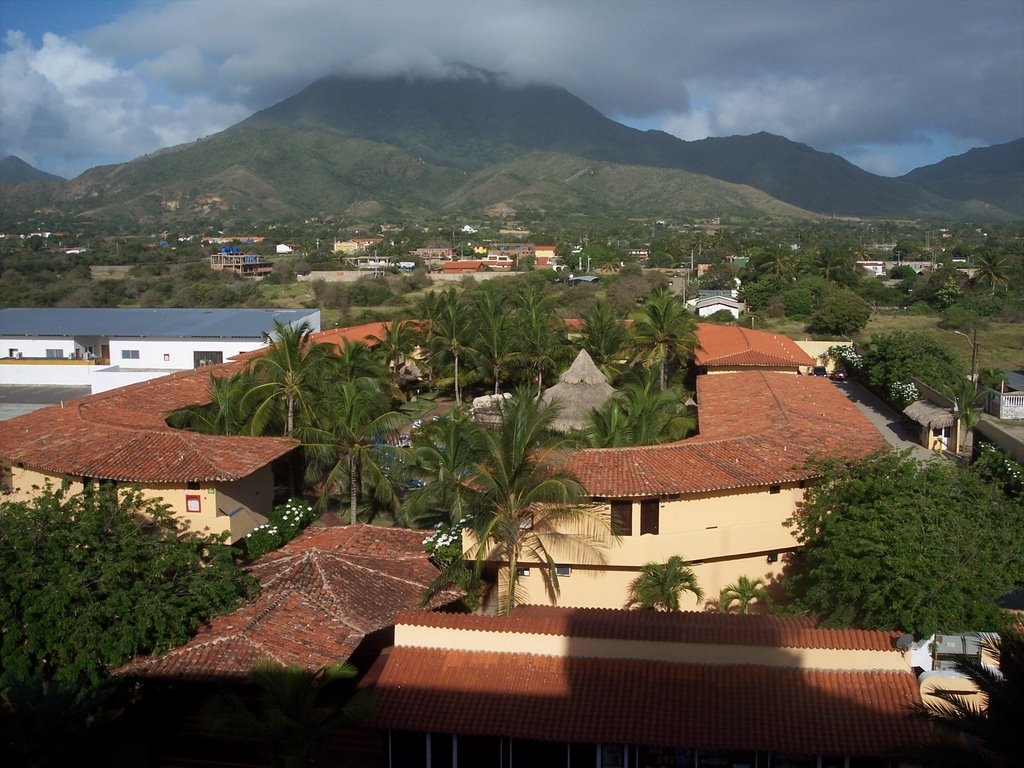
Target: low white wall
x=99, y=377
x=174, y=354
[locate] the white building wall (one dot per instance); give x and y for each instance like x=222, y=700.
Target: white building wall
x=22, y=347
x=173, y=354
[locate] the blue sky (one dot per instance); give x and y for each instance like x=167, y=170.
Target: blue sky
x=889, y=86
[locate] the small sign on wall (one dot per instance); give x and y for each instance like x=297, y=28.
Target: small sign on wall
x=193, y=503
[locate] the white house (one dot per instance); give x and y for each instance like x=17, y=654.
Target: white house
x=107, y=348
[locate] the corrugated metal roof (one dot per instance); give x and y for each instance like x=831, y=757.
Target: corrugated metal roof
x=130, y=322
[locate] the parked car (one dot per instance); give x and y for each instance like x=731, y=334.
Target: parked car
x=839, y=374
x=819, y=370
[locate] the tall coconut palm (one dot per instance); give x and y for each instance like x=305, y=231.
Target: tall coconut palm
x=445, y=454
x=967, y=405
x=605, y=337
x=741, y=595
x=641, y=414
x=990, y=269
x=663, y=333
x=224, y=414
x=984, y=732
x=346, y=447
x=495, y=350
x=660, y=585
x=289, y=377
x=541, y=334
x=530, y=508
x=355, y=360
x=450, y=334
x=395, y=344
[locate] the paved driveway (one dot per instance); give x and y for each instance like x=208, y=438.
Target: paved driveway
x=16, y=399
x=891, y=424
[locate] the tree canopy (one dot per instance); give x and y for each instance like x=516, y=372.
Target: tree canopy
x=92, y=579
x=890, y=543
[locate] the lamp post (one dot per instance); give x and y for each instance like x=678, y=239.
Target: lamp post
x=974, y=355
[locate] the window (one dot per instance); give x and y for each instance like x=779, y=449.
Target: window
x=522, y=571
x=206, y=358
x=54, y=353
x=563, y=570
x=649, y=514
x=129, y=354
x=774, y=489
x=622, y=518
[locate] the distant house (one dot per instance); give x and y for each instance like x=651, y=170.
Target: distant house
x=229, y=239
x=709, y=305
x=356, y=244
x=466, y=267
x=284, y=248
x=241, y=264
x=729, y=348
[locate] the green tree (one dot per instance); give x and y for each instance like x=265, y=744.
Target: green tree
x=541, y=334
x=496, y=351
x=530, y=508
x=660, y=586
x=641, y=414
x=605, y=336
x=844, y=313
x=664, y=333
x=741, y=595
x=967, y=402
x=972, y=735
x=289, y=375
x=445, y=455
x=397, y=341
x=898, y=356
x=92, y=579
x=346, y=446
x=991, y=269
x=450, y=334
x=890, y=543
x=224, y=414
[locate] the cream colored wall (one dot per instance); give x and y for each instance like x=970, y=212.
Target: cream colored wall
x=252, y=497
x=716, y=369
x=723, y=536
x=648, y=650
x=817, y=349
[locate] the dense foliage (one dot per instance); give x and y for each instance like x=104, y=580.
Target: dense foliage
x=93, y=579
x=890, y=543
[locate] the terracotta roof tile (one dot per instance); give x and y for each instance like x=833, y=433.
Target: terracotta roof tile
x=319, y=596
x=121, y=435
x=644, y=702
x=756, y=428
x=679, y=627
x=730, y=345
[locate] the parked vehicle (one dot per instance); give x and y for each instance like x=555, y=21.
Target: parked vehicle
x=839, y=374
x=819, y=370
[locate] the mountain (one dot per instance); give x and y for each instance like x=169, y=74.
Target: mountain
x=14, y=170
x=397, y=148
x=993, y=175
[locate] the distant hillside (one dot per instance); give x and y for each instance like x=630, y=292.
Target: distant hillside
x=409, y=149
x=992, y=175
x=14, y=170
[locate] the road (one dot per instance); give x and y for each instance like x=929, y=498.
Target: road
x=891, y=424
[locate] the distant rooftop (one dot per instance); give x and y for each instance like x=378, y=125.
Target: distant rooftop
x=143, y=323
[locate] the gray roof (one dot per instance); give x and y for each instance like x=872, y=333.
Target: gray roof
x=147, y=323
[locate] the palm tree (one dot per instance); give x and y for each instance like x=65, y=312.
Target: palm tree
x=660, y=585
x=541, y=334
x=742, y=594
x=966, y=404
x=605, y=336
x=289, y=376
x=356, y=360
x=990, y=268
x=530, y=508
x=641, y=414
x=663, y=333
x=223, y=414
x=288, y=719
x=445, y=454
x=347, y=444
x=495, y=351
x=977, y=734
x=397, y=341
x=450, y=333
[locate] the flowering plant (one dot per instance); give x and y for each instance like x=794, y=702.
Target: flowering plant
x=444, y=545
x=903, y=393
x=285, y=523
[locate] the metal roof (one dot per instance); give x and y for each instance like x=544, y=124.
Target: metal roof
x=147, y=323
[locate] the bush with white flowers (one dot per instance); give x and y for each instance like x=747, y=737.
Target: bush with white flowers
x=444, y=545
x=285, y=523
x=903, y=394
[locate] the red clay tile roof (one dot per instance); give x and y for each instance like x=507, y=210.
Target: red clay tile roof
x=729, y=345
x=654, y=626
x=643, y=702
x=121, y=435
x=756, y=428
x=320, y=595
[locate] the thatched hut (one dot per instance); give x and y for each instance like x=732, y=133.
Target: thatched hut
x=936, y=424
x=579, y=390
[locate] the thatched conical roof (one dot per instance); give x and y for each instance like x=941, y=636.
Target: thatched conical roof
x=929, y=415
x=579, y=390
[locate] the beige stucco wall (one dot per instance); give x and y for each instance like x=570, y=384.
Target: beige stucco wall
x=685, y=653
x=817, y=349
x=250, y=499
x=722, y=535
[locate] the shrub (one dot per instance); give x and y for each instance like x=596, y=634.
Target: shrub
x=285, y=523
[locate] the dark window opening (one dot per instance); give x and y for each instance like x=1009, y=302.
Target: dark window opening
x=775, y=489
x=207, y=358
x=622, y=518
x=649, y=516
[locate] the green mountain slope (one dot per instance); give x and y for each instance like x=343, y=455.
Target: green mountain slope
x=993, y=175
x=14, y=170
